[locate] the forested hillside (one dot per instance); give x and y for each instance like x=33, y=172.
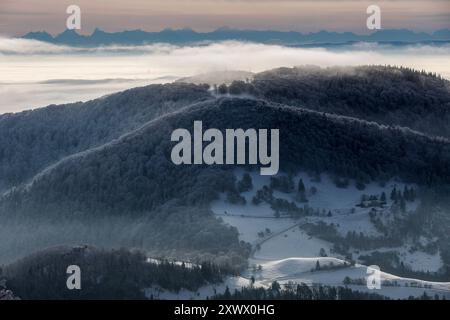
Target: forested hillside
x=388, y=95
x=106, y=274
x=100, y=172
x=31, y=140
x=135, y=174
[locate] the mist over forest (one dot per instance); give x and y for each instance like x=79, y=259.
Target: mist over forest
x=113, y=68
x=99, y=173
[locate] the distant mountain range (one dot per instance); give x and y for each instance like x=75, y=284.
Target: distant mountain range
x=189, y=36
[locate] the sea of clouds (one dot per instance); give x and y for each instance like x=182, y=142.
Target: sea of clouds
x=35, y=74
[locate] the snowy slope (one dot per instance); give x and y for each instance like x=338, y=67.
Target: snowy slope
x=292, y=243
x=298, y=270
x=201, y=294
x=287, y=254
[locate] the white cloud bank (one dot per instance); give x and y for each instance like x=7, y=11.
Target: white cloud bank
x=35, y=74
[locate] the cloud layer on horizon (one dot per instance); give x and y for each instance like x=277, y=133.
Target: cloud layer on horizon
x=35, y=74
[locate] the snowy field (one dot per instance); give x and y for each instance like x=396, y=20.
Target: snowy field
x=288, y=254
x=292, y=243
x=284, y=252
x=201, y=294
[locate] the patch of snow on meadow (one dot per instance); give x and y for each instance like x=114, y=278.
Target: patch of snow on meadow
x=288, y=255
x=292, y=243
x=233, y=283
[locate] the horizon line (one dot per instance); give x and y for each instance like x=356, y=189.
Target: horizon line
x=225, y=28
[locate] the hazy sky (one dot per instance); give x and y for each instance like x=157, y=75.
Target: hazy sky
x=20, y=16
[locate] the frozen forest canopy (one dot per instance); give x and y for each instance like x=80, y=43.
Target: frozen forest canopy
x=105, y=166
x=33, y=140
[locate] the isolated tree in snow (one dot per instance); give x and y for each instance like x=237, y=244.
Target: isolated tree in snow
x=245, y=184
x=276, y=286
x=383, y=197
x=302, y=191
x=223, y=89
x=394, y=194
x=402, y=205
x=301, y=186
x=317, y=265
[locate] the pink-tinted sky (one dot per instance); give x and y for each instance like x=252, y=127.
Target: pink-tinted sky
x=20, y=16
